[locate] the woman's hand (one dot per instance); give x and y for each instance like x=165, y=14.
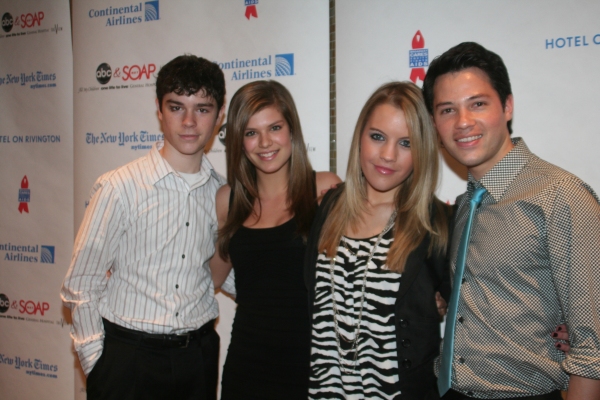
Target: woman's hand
x=561, y=337
x=441, y=304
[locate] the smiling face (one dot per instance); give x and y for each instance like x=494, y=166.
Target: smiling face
x=385, y=156
x=268, y=141
x=470, y=119
x=188, y=123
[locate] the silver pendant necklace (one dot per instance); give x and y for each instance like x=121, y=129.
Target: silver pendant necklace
x=354, y=342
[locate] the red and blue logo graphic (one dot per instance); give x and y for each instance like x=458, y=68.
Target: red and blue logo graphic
x=251, y=8
x=24, y=195
x=418, y=58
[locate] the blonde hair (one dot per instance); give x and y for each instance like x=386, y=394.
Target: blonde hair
x=241, y=173
x=415, y=197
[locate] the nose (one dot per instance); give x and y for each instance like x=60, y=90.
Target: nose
x=389, y=152
x=264, y=140
x=189, y=119
x=465, y=119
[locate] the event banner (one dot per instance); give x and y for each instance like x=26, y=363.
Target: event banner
x=119, y=46
x=551, y=50
x=36, y=235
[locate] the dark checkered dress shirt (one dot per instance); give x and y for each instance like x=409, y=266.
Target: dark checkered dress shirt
x=533, y=262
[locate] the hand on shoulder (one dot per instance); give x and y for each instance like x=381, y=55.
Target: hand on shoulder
x=326, y=181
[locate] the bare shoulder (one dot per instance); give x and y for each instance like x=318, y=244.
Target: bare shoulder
x=325, y=181
x=222, y=202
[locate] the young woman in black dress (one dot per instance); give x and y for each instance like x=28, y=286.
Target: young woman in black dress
x=265, y=213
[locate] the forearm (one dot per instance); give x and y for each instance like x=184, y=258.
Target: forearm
x=581, y=388
x=219, y=270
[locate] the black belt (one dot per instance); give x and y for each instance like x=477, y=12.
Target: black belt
x=454, y=395
x=156, y=339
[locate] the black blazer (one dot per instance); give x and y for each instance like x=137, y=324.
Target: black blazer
x=417, y=318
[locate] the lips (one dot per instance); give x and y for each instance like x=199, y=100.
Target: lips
x=268, y=156
x=384, y=170
x=469, y=139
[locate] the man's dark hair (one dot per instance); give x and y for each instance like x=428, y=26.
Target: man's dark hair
x=469, y=55
x=187, y=75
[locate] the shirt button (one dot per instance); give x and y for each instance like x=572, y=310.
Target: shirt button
x=461, y=360
x=183, y=256
x=187, y=224
x=403, y=323
x=177, y=314
x=460, y=319
x=176, y=286
x=406, y=363
x=405, y=343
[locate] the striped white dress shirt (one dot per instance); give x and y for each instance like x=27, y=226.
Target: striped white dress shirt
x=155, y=234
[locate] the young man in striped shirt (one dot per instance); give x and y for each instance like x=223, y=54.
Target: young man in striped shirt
x=139, y=287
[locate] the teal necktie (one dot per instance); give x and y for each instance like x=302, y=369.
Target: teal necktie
x=445, y=373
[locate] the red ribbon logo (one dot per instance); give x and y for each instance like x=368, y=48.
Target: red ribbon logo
x=24, y=195
x=418, y=42
x=251, y=12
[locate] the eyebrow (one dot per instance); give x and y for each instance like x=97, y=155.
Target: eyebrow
x=249, y=128
x=471, y=98
x=178, y=103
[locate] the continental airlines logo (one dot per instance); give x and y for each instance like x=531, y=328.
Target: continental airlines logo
x=128, y=14
x=263, y=67
x=28, y=253
x=418, y=58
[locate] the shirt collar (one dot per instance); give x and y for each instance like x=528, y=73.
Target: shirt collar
x=159, y=167
x=498, y=179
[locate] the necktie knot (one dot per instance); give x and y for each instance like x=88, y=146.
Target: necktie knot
x=477, y=196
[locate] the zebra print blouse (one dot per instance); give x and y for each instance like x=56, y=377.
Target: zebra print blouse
x=373, y=373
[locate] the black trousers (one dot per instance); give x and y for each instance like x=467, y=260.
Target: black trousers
x=131, y=370
x=454, y=395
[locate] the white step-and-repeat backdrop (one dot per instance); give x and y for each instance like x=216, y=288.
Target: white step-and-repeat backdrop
x=36, y=199
x=551, y=50
x=119, y=46
x=72, y=110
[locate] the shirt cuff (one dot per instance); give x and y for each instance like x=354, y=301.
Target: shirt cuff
x=89, y=354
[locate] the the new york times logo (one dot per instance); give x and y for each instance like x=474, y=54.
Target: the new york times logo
x=103, y=73
x=7, y=22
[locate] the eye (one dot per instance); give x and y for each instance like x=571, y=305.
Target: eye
x=174, y=108
x=479, y=104
x=249, y=133
x=404, y=143
x=276, y=127
x=445, y=111
x=203, y=110
x=377, y=136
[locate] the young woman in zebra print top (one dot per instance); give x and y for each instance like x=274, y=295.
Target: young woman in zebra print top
x=376, y=258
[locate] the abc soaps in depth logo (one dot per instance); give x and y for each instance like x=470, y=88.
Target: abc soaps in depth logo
x=127, y=15
x=28, y=307
x=260, y=67
x=23, y=21
x=126, y=77
x=28, y=253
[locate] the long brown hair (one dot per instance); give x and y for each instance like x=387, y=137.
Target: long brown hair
x=241, y=173
x=415, y=197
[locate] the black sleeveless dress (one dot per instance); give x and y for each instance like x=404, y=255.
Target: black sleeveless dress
x=269, y=353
